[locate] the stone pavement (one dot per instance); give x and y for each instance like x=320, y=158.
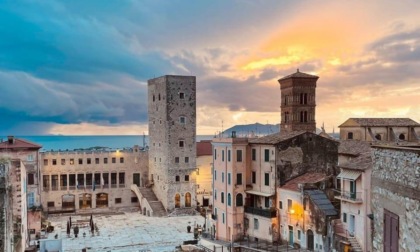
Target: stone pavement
x=126, y=232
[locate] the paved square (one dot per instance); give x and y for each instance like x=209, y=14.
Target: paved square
x=125, y=232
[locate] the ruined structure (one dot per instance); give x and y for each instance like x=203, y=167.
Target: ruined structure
x=172, y=134
x=298, y=102
x=396, y=198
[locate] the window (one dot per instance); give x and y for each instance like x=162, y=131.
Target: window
x=54, y=182
x=54, y=161
x=254, y=177
x=31, y=178
x=80, y=160
x=229, y=200
x=50, y=203
x=223, y=155
x=401, y=136
x=114, y=160
x=177, y=178
x=266, y=155
x=159, y=97
x=378, y=137
x=267, y=202
x=266, y=179
x=229, y=178
x=134, y=200
x=239, y=155
x=289, y=204
x=177, y=160
x=187, y=159
x=121, y=177
x=215, y=154
x=281, y=204
x=121, y=160
x=88, y=161
x=71, y=161
x=181, y=95
x=254, y=154
x=181, y=143
x=215, y=194
x=299, y=235
x=118, y=200
x=256, y=225
x=222, y=197
x=345, y=217
x=239, y=200
x=223, y=177
x=30, y=157
x=72, y=181
x=96, y=160
x=228, y=155
x=31, y=199
x=45, y=161
x=239, y=178
x=187, y=177
x=114, y=179
x=63, y=161
x=350, y=135
x=105, y=160
x=182, y=119
x=153, y=97
x=215, y=175
x=223, y=217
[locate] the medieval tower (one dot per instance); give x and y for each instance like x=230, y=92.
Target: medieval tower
x=172, y=139
x=298, y=102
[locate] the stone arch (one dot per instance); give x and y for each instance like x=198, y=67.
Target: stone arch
x=310, y=239
x=177, y=200
x=401, y=136
x=187, y=199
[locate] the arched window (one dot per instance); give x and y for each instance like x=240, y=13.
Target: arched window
x=177, y=200
x=229, y=200
x=350, y=135
x=378, y=137
x=239, y=200
x=402, y=137
x=222, y=197
x=188, y=199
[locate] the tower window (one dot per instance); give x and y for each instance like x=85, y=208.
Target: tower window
x=181, y=143
x=177, y=178
x=350, y=135
x=181, y=95
x=153, y=97
x=187, y=177
x=402, y=137
x=182, y=119
x=159, y=97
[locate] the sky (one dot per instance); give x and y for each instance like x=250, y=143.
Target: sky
x=81, y=67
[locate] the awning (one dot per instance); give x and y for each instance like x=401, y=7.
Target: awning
x=349, y=174
x=259, y=193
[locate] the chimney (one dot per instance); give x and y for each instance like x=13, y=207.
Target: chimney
x=11, y=139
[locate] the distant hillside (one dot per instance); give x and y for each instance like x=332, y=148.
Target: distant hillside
x=257, y=129
x=253, y=129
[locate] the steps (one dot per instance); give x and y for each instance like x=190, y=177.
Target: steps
x=156, y=207
x=355, y=244
x=148, y=194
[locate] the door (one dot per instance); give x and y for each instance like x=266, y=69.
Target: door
x=352, y=189
x=351, y=224
x=391, y=231
x=136, y=179
x=290, y=235
x=310, y=241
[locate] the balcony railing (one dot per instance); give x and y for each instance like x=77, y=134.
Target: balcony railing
x=355, y=197
x=268, y=213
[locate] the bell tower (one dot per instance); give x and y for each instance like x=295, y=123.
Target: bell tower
x=298, y=102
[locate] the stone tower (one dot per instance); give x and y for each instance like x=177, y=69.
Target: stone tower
x=172, y=140
x=298, y=102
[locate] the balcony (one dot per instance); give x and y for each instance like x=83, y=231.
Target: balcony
x=267, y=213
x=354, y=197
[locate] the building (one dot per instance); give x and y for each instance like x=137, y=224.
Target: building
x=305, y=211
x=380, y=129
x=298, y=102
x=23, y=179
x=73, y=181
x=204, y=173
x=396, y=198
x=231, y=176
x=172, y=134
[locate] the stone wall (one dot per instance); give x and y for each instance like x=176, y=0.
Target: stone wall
x=396, y=188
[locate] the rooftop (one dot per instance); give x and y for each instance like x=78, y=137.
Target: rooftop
x=370, y=122
x=353, y=147
x=322, y=202
x=361, y=163
x=299, y=75
x=204, y=148
x=17, y=143
x=306, y=178
x=276, y=137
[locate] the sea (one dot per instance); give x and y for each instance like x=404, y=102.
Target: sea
x=64, y=143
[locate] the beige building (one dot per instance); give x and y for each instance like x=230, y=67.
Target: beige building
x=380, y=129
x=172, y=145
x=78, y=180
x=204, y=173
x=22, y=159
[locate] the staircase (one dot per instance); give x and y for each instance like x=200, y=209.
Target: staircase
x=152, y=205
x=355, y=244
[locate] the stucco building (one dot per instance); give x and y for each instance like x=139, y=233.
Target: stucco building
x=204, y=173
x=92, y=179
x=172, y=145
x=380, y=129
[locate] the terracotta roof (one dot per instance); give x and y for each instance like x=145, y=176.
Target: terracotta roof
x=18, y=144
x=361, y=163
x=204, y=148
x=299, y=75
x=306, y=178
x=382, y=122
x=353, y=147
x=276, y=137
